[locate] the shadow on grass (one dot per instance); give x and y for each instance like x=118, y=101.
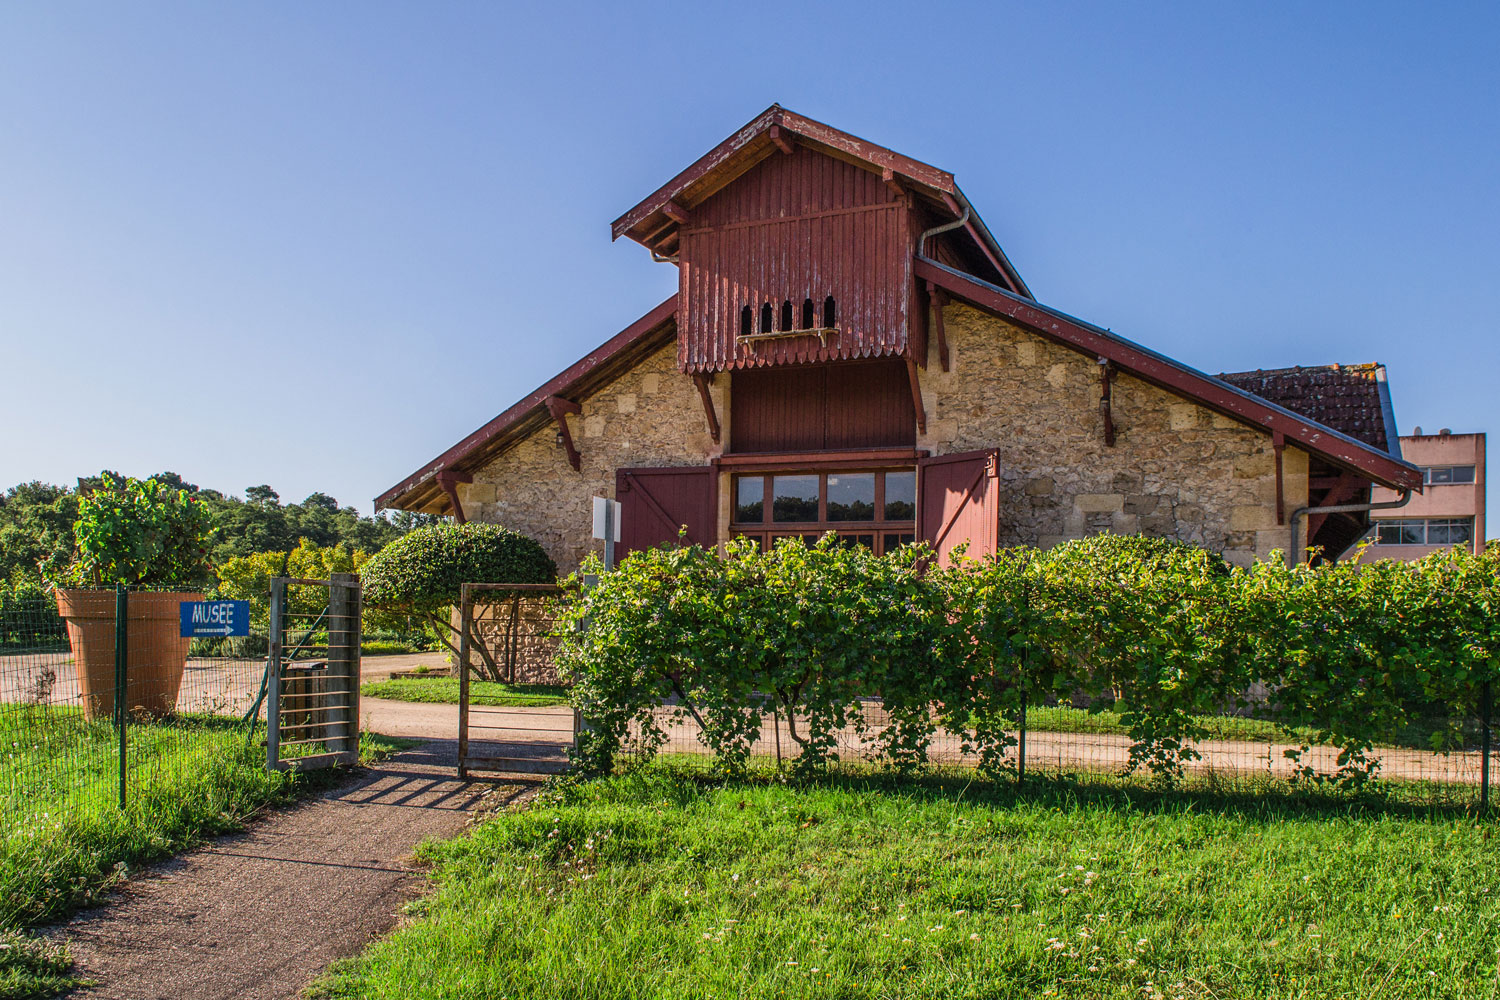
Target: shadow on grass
x=1261, y=798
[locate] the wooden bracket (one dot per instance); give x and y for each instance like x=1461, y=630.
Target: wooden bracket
x=1106, y=376
x=916, y=393
x=676, y=213
x=939, y=299
x=898, y=189
x=1343, y=491
x=779, y=138
x=1278, y=444
x=449, y=481
x=560, y=408
x=703, y=381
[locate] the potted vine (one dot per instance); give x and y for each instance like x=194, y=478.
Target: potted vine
x=153, y=540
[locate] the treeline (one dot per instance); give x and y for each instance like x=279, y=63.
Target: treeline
x=1165, y=634
x=36, y=523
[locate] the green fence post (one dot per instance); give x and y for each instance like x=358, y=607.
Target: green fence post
x=1021, y=739
x=122, y=604
x=1484, y=740
x=1021, y=734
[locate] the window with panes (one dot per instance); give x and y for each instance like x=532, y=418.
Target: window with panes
x=1442, y=475
x=1425, y=531
x=875, y=508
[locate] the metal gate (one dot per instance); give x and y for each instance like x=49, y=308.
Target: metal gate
x=505, y=635
x=312, y=672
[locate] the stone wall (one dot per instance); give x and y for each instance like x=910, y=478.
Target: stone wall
x=1176, y=470
x=650, y=416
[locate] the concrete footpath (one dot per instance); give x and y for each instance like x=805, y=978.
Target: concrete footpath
x=258, y=915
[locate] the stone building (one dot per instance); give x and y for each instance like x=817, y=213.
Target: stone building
x=851, y=350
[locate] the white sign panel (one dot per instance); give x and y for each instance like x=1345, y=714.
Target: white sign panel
x=606, y=510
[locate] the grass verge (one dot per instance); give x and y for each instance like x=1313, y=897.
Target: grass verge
x=661, y=884
x=66, y=840
x=444, y=690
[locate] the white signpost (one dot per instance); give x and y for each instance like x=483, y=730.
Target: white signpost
x=607, y=527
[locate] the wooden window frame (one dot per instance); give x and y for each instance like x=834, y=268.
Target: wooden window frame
x=767, y=528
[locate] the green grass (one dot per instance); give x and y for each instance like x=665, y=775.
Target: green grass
x=65, y=840
x=658, y=885
x=444, y=690
x=30, y=967
x=1064, y=719
x=1220, y=727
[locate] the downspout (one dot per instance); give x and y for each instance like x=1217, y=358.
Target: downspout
x=946, y=227
x=1294, y=556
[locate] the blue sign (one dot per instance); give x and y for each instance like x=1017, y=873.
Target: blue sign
x=215, y=618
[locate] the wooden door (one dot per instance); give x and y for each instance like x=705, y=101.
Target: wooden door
x=958, y=500
x=655, y=504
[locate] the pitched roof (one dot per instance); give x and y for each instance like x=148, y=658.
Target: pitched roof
x=654, y=222
x=1354, y=399
x=1372, y=461
x=616, y=355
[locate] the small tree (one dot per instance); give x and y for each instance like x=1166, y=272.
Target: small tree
x=423, y=573
x=136, y=532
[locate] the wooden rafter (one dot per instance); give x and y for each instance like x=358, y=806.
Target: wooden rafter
x=1342, y=492
x=703, y=381
x=779, y=137
x=1278, y=445
x=893, y=182
x=916, y=393
x=1106, y=380
x=448, y=481
x=939, y=299
x=560, y=408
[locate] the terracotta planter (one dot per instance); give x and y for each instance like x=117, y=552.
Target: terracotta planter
x=155, y=654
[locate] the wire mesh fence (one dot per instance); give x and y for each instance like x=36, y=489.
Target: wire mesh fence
x=1433, y=759
x=511, y=715
x=109, y=718
x=1436, y=761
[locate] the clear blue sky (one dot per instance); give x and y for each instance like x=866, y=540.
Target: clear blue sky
x=314, y=244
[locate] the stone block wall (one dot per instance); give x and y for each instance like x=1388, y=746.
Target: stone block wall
x=650, y=416
x=1176, y=470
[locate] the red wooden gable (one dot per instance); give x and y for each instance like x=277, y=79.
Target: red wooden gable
x=798, y=236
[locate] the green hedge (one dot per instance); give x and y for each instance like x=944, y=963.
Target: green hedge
x=1164, y=634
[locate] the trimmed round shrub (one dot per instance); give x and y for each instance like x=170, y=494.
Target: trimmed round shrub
x=423, y=571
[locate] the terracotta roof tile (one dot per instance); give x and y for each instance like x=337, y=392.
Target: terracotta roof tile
x=1348, y=398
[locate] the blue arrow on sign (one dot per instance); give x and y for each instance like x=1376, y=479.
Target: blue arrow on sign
x=214, y=619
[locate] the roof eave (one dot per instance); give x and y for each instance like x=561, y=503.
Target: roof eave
x=748, y=140
x=1182, y=379
x=526, y=411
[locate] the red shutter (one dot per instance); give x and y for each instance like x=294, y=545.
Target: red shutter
x=656, y=503
x=958, y=500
